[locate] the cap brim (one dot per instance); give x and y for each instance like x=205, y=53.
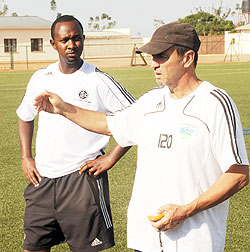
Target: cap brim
x=154, y=48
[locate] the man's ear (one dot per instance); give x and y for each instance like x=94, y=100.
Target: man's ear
x=188, y=58
x=52, y=42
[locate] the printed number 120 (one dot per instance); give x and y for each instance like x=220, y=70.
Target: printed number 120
x=165, y=141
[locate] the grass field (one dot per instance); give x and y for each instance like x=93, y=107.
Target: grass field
x=233, y=77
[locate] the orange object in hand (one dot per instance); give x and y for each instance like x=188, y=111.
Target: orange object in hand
x=156, y=217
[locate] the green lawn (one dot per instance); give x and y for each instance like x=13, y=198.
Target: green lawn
x=233, y=77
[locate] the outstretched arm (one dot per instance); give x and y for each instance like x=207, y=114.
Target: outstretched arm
x=89, y=120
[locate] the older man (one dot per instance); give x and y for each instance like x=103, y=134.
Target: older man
x=191, y=151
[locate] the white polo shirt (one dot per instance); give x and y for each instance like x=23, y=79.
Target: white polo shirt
x=61, y=145
x=184, y=145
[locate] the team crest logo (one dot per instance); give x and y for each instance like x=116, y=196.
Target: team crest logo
x=187, y=131
x=83, y=94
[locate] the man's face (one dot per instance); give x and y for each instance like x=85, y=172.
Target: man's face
x=168, y=68
x=68, y=41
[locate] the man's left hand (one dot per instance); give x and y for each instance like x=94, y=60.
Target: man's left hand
x=97, y=166
x=174, y=215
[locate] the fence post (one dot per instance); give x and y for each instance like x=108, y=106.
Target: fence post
x=27, y=58
x=11, y=57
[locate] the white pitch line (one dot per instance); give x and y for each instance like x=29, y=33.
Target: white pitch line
x=12, y=89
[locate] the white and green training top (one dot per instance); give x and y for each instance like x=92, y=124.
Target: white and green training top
x=184, y=146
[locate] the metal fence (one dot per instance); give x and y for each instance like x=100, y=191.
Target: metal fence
x=110, y=50
x=23, y=54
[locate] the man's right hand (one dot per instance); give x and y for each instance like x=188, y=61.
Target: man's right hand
x=30, y=171
x=49, y=102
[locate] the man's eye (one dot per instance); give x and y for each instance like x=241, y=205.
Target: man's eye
x=163, y=56
x=160, y=57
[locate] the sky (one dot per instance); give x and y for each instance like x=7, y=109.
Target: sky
x=138, y=15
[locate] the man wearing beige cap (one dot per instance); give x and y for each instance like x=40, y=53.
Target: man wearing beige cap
x=191, y=151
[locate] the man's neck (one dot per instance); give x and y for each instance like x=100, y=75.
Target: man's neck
x=185, y=87
x=67, y=68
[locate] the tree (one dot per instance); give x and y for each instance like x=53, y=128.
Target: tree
x=59, y=14
x=101, y=22
x=238, y=8
x=214, y=23
x=208, y=24
x=53, y=5
x=222, y=12
x=158, y=23
x=4, y=11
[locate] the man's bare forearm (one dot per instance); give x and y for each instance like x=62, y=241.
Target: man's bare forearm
x=87, y=119
x=25, y=132
x=226, y=186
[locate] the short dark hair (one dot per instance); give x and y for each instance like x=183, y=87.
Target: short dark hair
x=64, y=18
x=181, y=50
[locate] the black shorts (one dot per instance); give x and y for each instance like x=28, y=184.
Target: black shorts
x=74, y=209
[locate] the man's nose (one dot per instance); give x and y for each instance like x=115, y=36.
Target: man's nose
x=71, y=43
x=154, y=64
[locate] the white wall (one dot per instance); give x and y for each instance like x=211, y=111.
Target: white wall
x=24, y=44
x=241, y=45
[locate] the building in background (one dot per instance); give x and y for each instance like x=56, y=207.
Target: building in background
x=239, y=42
x=28, y=38
x=25, y=40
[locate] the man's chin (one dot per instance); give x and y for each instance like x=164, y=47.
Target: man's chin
x=73, y=60
x=159, y=83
